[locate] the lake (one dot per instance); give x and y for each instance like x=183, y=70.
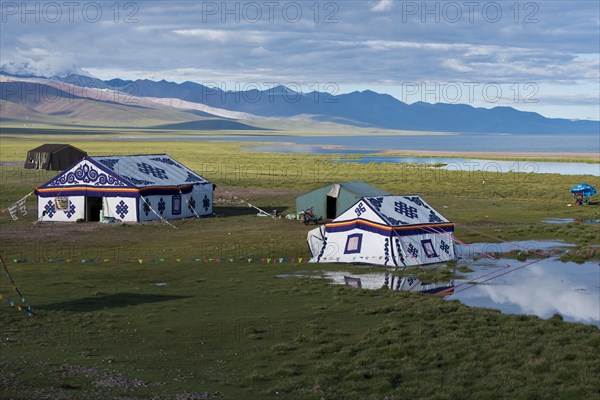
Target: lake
x=491, y=166
x=374, y=143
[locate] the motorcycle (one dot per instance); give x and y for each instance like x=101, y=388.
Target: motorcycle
x=309, y=216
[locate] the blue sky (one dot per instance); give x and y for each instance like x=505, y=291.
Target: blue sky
x=538, y=56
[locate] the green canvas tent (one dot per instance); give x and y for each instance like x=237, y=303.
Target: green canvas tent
x=330, y=201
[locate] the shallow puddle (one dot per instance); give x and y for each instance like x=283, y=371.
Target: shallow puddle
x=570, y=220
x=545, y=288
x=541, y=287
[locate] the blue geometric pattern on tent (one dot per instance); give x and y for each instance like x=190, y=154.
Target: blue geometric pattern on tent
x=386, y=251
x=192, y=204
x=444, y=247
x=154, y=171
x=86, y=174
x=50, y=209
x=168, y=161
x=161, y=206
x=360, y=209
x=353, y=243
x=376, y=202
x=433, y=217
x=147, y=206
x=110, y=163
x=136, y=181
x=403, y=208
x=122, y=209
x=417, y=201
x=413, y=250
x=193, y=178
x=206, y=203
x=399, y=251
x=70, y=211
x=393, y=221
x=427, y=245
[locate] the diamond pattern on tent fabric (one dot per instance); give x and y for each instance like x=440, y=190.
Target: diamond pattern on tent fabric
x=162, y=206
x=444, y=247
x=413, y=250
x=122, y=209
x=192, y=204
x=70, y=211
x=147, y=206
x=433, y=217
x=168, y=161
x=136, y=181
x=110, y=163
x=154, y=171
x=360, y=209
x=50, y=209
x=206, y=203
x=192, y=178
x=403, y=208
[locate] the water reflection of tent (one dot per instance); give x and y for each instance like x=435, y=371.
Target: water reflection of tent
x=406, y=284
x=582, y=193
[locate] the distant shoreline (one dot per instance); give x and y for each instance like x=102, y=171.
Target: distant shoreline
x=493, y=154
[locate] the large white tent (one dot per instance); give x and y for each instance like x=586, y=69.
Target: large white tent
x=127, y=188
x=386, y=230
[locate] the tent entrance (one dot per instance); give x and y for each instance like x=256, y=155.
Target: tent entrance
x=92, y=209
x=331, y=207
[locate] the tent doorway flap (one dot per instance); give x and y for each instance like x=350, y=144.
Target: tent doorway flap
x=93, y=208
x=331, y=207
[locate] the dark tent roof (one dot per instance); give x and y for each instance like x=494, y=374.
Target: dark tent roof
x=53, y=157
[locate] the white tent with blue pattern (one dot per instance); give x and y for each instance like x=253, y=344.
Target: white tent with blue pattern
x=393, y=231
x=126, y=188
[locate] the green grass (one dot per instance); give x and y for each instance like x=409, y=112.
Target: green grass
x=237, y=329
x=217, y=329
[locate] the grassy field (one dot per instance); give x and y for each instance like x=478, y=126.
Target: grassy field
x=180, y=325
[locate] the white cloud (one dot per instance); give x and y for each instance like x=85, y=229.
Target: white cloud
x=544, y=289
x=457, y=65
x=210, y=35
x=260, y=52
x=39, y=61
x=383, y=5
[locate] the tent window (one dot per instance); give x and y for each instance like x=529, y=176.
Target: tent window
x=62, y=203
x=176, y=209
x=353, y=243
x=428, y=248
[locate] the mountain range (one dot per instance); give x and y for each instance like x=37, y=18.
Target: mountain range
x=80, y=99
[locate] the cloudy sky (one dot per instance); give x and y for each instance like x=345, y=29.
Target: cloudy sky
x=539, y=56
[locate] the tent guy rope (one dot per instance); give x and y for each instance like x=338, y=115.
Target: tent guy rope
x=158, y=215
x=249, y=204
x=27, y=309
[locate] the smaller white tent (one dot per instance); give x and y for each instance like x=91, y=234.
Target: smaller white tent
x=386, y=230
